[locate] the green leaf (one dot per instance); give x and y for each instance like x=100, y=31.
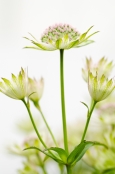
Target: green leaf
x=109, y=171
x=48, y=154
x=61, y=152
x=75, y=153
x=80, y=150
x=85, y=105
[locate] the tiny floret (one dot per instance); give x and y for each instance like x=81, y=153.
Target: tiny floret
x=100, y=87
x=61, y=36
x=57, y=32
x=15, y=88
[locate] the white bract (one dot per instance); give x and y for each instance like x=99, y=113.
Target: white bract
x=35, y=89
x=15, y=88
x=103, y=66
x=100, y=87
x=61, y=36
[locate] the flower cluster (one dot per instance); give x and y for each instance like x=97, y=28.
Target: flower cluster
x=61, y=36
x=22, y=86
x=57, y=32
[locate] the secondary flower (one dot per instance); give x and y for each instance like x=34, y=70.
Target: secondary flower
x=61, y=36
x=35, y=89
x=103, y=66
x=100, y=87
x=15, y=88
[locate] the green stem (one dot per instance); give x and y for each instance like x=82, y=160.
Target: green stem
x=88, y=119
x=39, y=108
x=63, y=100
x=68, y=170
x=41, y=164
x=31, y=118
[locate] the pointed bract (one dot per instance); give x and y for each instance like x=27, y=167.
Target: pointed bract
x=100, y=87
x=103, y=66
x=15, y=88
x=35, y=89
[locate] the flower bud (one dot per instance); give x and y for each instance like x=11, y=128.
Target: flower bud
x=103, y=66
x=35, y=89
x=99, y=87
x=15, y=88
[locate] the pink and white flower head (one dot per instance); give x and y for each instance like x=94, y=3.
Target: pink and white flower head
x=35, y=89
x=15, y=88
x=100, y=87
x=61, y=36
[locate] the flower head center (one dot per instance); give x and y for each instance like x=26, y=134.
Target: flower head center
x=58, y=31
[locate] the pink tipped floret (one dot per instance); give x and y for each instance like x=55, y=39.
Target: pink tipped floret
x=58, y=31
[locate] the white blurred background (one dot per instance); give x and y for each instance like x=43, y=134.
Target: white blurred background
x=17, y=18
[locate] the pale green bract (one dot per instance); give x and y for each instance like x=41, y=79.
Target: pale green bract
x=35, y=89
x=61, y=36
x=103, y=66
x=100, y=87
x=15, y=88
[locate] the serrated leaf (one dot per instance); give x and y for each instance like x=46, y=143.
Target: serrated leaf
x=48, y=154
x=61, y=152
x=80, y=150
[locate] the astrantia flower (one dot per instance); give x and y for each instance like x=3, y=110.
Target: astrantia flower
x=99, y=87
x=35, y=89
x=15, y=88
x=103, y=66
x=61, y=36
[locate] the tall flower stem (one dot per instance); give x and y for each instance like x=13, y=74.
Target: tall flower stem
x=69, y=171
x=39, y=108
x=93, y=103
x=32, y=120
x=63, y=100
